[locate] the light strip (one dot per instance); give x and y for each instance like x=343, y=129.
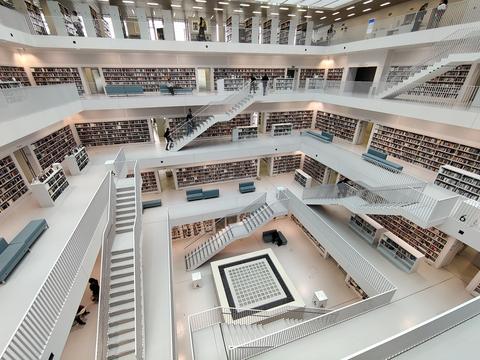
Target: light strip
x=128, y=2
x=337, y=19
x=292, y=15
x=367, y=10
x=263, y=6
x=367, y=2
x=319, y=11
x=323, y=18
x=385, y=4
x=350, y=15
x=223, y=3
x=283, y=8
x=274, y=14
x=336, y=13
x=351, y=7
x=201, y=1
x=238, y=10
x=256, y=12
x=176, y=6
x=245, y=5
x=152, y=3
x=308, y=16
x=302, y=10
x=218, y=9
x=197, y=7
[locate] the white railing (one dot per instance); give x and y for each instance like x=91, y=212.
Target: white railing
x=37, y=325
x=419, y=334
x=103, y=301
x=120, y=165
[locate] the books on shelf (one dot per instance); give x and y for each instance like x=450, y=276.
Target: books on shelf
x=303, y=178
x=335, y=74
x=301, y=34
x=36, y=18
x=266, y=31
x=283, y=32
x=283, y=84
x=230, y=84
x=76, y=160
x=299, y=119
x=12, y=185
x=245, y=73
x=399, y=252
x=150, y=181
x=188, y=231
x=7, y=4
x=113, y=132
x=71, y=31
x=352, y=284
x=315, y=242
x=285, y=164
x=314, y=168
x=47, y=187
x=14, y=74
x=54, y=147
x=342, y=126
x=284, y=129
x=426, y=151
x=310, y=74
x=214, y=173
x=244, y=132
x=459, y=181
x=58, y=75
x=366, y=227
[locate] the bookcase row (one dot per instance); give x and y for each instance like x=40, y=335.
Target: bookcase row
x=14, y=73
x=426, y=151
x=285, y=164
x=150, y=181
x=12, y=185
x=245, y=73
x=314, y=168
x=54, y=147
x=342, y=126
x=58, y=75
x=460, y=181
x=298, y=119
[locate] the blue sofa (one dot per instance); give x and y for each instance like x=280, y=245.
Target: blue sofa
x=246, y=187
x=322, y=136
x=199, y=194
x=176, y=90
x=151, y=204
x=380, y=158
x=210, y=194
x=124, y=90
x=11, y=254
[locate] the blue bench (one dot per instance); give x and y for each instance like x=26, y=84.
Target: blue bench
x=322, y=136
x=199, y=194
x=124, y=90
x=246, y=187
x=377, y=157
x=176, y=90
x=11, y=254
x=210, y=194
x=151, y=204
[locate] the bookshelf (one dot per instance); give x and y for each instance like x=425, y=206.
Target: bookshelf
x=230, y=84
x=150, y=181
x=310, y=74
x=284, y=29
x=229, y=29
x=76, y=160
x=35, y=15
x=342, y=126
x=106, y=28
x=430, y=242
x=426, y=151
x=298, y=119
x=284, y=129
x=96, y=22
x=215, y=173
x=245, y=73
x=285, y=164
x=366, y=227
x=248, y=30
x=474, y=285
x=244, y=132
x=460, y=181
x=14, y=73
x=188, y=231
x=113, y=132
x=399, y=252
x=47, y=187
x=303, y=178
x=53, y=147
x=7, y=4
x=315, y=242
x=12, y=185
x=283, y=84
x=314, y=168
x=150, y=78
x=71, y=31
x=267, y=31
x=335, y=74
x=58, y=75
x=301, y=34
x=352, y=284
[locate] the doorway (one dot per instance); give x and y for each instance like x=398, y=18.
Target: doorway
x=361, y=79
x=94, y=80
x=204, y=79
x=26, y=161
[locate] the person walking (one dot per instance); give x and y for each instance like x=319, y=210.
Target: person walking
x=77, y=23
x=253, y=84
x=439, y=11
x=265, y=84
x=168, y=138
x=419, y=17
x=94, y=288
x=202, y=27
x=189, y=122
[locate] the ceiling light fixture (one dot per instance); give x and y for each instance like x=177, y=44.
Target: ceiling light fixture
x=176, y=6
x=222, y=3
x=283, y=8
x=256, y=12
x=319, y=11
x=292, y=15
x=367, y=2
x=263, y=6
x=337, y=19
x=128, y=2
x=218, y=9
x=197, y=7
x=307, y=16
x=323, y=18
x=201, y=1
x=350, y=15
x=366, y=10
x=152, y=3
x=351, y=7
x=385, y=4
x=245, y=5
x=238, y=10
x=336, y=13
x=274, y=14
x=302, y=10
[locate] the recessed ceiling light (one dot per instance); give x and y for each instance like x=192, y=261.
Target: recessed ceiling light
x=307, y=16
x=302, y=10
x=336, y=13
x=238, y=10
x=222, y=3
x=218, y=9
x=201, y=1
x=367, y=2
x=128, y=2
x=256, y=12
x=350, y=15
x=152, y=3
x=351, y=7
x=337, y=19
x=292, y=15
x=367, y=10
x=323, y=18
x=245, y=5
x=263, y=6
x=319, y=11
x=385, y=4
x=273, y=13
x=176, y=6
x=197, y=7
x=283, y=8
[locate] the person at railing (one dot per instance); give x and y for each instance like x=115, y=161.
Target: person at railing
x=330, y=33
x=419, y=17
x=189, y=122
x=202, y=27
x=168, y=138
x=77, y=23
x=170, y=87
x=253, y=84
x=265, y=84
x=439, y=11
x=94, y=288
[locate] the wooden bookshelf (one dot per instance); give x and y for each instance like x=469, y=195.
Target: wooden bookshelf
x=310, y=73
x=35, y=15
x=49, y=185
x=399, y=252
x=114, y=132
x=215, y=173
x=366, y=227
x=284, y=129
x=284, y=29
x=266, y=31
x=298, y=119
x=285, y=164
x=14, y=73
x=54, y=147
x=188, y=231
x=342, y=126
x=245, y=73
x=12, y=185
x=426, y=151
x=150, y=78
x=150, y=181
x=315, y=242
x=314, y=168
x=430, y=242
x=58, y=75
x=460, y=181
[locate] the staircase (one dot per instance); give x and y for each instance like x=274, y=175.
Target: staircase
x=216, y=243
x=236, y=102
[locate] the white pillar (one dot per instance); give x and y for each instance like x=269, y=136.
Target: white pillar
x=142, y=23
x=255, y=29
x=56, y=19
x=309, y=34
x=116, y=21
x=292, y=30
x=274, y=30
x=235, y=28
x=83, y=10
x=168, y=31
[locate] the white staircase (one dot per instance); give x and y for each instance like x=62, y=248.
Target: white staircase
x=198, y=255
x=237, y=103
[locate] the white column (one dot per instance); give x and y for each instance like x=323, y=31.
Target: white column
x=309, y=34
x=56, y=19
x=142, y=23
x=116, y=21
x=292, y=30
x=168, y=31
x=255, y=29
x=235, y=28
x=83, y=10
x=274, y=31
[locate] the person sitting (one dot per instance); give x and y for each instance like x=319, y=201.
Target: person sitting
x=80, y=315
x=170, y=86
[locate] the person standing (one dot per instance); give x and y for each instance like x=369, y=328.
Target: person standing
x=94, y=288
x=77, y=23
x=265, y=84
x=330, y=34
x=168, y=138
x=439, y=11
x=202, y=27
x=253, y=84
x=189, y=121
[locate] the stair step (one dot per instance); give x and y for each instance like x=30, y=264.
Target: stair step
x=120, y=267
x=127, y=199
x=128, y=188
x=121, y=275
x=121, y=285
x=125, y=216
x=125, y=194
x=117, y=294
x=124, y=206
x=116, y=253
x=124, y=223
x=120, y=310
x=124, y=230
x=126, y=303
x=122, y=259
x=121, y=340
x=127, y=330
x=117, y=354
x=121, y=319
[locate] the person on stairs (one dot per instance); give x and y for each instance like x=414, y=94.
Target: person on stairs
x=189, y=122
x=253, y=84
x=265, y=84
x=168, y=138
x=95, y=289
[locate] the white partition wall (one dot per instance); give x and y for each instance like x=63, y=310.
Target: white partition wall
x=168, y=31
x=55, y=20
x=142, y=23
x=274, y=30
x=83, y=10
x=292, y=30
x=308, y=36
x=116, y=21
x=235, y=28
x=255, y=29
